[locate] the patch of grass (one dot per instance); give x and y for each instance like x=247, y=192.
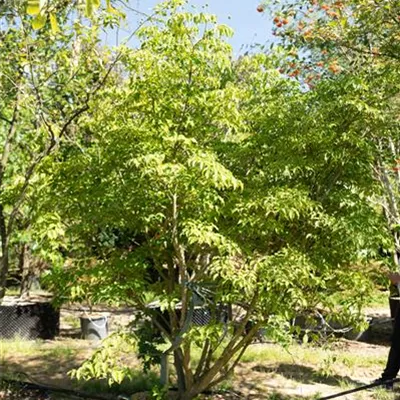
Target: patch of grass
x=20, y=347
x=72, y=321
x=60, y=352
x=16, y=291
x=280, y=396
x=36, y=348
x=379, y=299
x=380, y=394
x=307, y=364
x=13, y=291
x=345, y=385
x=318, y=363
x=226, y=385
x=270, y=353
x=356, y=360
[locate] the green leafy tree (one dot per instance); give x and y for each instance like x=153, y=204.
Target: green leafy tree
x=354, y=45
x=214, y=184
x=336, y=34
x=46, y=83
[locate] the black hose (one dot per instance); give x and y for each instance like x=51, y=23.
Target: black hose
x=359, y=389
x=55, y=389
x=83, y=395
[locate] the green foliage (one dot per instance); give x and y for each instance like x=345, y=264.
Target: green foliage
x=46, y=82
x=191, y=181
x=208, y=181
x=41, y=9
x=353, y=45
x=107, y=362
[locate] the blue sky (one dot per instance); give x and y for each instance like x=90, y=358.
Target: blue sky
x=250, y=26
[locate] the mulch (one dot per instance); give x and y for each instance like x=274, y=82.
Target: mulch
x=22, y=394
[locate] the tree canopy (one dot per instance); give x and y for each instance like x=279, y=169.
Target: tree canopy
x=209, y=182
x=354, y=46
x=174, y=178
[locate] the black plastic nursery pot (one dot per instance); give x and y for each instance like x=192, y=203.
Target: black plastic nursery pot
x=28, y=320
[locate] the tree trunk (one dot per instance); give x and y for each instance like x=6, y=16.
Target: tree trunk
x=25, y=271
x=4, y=260
x=181, y=379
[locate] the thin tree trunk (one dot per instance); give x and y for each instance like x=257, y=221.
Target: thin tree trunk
x=186, y=364
x=4, y=260
x=390, y=207
x=181, y=379
x=206, y=376
x=25, y=270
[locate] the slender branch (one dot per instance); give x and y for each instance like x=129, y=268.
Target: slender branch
x=388, y=191
x=245, y=344
x=4, y=229
x=35, y=86
x=133, y=9
x=5, y=119
x=232, y=346
x=392, y=17
x=395, y=155
x=202, y=360
x=368, y=52
x=209, y=359
x=208, y=378
x=180, y=258
x=141, y=306
x=10, y=135
x=27, y=178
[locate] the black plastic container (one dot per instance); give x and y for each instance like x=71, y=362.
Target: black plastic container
x=394, y=306
x=29, y=320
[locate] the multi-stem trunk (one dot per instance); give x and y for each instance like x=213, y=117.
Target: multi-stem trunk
x=214, y=366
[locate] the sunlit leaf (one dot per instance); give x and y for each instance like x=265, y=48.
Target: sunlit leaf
x=54, y=23
x=39, y=21
x=33, y=7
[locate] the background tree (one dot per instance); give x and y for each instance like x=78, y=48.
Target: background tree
x=46, y=82
x=353, y=45
x=43, y=11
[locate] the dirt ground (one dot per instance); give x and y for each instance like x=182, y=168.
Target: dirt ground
x=278, y=377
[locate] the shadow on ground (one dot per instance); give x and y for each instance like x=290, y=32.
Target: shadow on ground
x=72, y=333
x=305, y=375
x=380, y=331
x=51, y=368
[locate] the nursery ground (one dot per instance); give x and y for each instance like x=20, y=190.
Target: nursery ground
x=267, y=370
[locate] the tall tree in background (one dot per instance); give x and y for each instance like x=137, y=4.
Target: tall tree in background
x=355, y=46
x=46, y=82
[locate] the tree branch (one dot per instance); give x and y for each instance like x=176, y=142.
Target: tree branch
x=5, y=119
